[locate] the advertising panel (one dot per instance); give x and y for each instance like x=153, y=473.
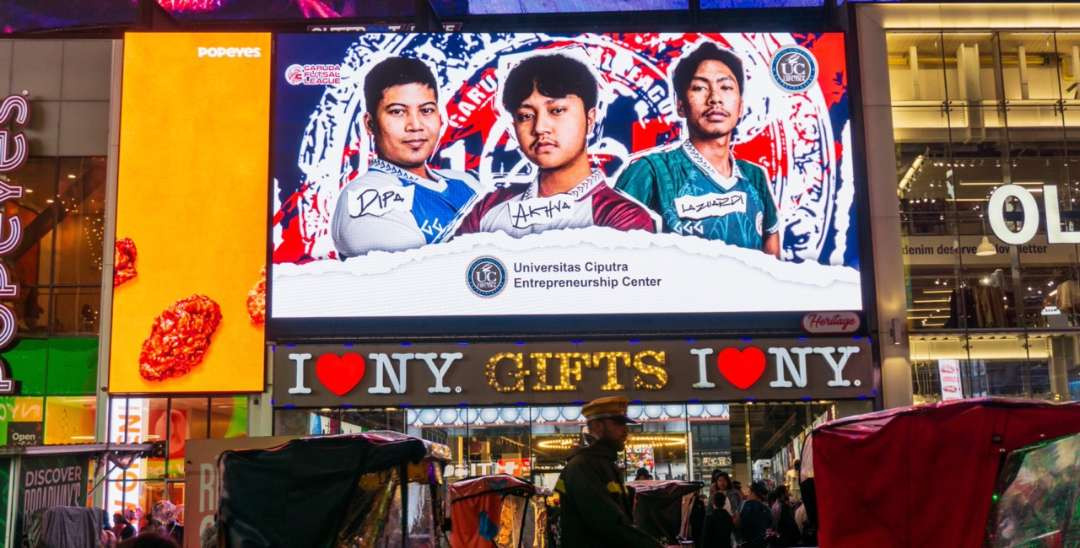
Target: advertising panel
x=201, y=475
x=191, y=214
x=56, y=14
x=49, y=482
x=449, y=375
x=506, y=7
x=516, y=177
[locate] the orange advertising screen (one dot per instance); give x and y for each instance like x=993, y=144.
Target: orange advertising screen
x=191, y=203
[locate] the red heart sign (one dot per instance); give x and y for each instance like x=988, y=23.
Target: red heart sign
x=741, y=368
x=340, y=374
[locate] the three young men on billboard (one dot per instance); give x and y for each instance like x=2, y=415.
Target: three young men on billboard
x=696, y=189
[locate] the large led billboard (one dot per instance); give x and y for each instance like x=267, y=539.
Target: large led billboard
x=424, y=179
x=191, y=214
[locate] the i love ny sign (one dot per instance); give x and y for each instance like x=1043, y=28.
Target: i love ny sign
x=432, y=374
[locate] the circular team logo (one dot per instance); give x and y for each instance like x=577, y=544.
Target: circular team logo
x=294, y=74
x=486, y=276
x=794, y=68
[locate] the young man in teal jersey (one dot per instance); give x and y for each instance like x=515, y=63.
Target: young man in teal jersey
x=699, y=188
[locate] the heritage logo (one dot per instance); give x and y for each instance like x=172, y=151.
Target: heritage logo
x=830, y=322
x=794, y=68
x=486, y=276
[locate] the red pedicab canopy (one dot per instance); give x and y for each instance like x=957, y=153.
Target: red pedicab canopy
x=925, y=475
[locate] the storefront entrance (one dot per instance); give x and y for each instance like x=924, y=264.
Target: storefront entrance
x=681, y=441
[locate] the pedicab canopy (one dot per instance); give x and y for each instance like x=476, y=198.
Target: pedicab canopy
x=493, y=510
x=925, y=475
x=662, y=508
x=321, y=491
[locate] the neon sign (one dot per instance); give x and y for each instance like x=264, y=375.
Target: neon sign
x=14, y=150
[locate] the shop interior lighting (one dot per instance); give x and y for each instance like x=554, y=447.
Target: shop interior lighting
x=999, y=183
x=564, y=443
x=985, y=248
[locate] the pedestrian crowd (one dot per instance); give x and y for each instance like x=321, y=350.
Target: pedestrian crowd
x=161, y=528
x=753, y=516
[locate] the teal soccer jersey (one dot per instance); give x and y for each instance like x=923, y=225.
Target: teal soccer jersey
x=695, y=200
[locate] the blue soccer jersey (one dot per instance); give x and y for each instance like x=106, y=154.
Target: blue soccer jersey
x=390, y=209
x=694, y=199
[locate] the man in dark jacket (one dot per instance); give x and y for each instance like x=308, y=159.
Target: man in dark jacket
x=595, y=504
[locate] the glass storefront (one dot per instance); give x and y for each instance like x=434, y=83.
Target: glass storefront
x=173, y=421
x=681, y=441
x=973, y=111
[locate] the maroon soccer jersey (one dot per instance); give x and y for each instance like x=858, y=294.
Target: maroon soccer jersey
x=518, y=210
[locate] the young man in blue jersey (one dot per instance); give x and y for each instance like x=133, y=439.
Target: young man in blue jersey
x=699, y=188
x=400, y=203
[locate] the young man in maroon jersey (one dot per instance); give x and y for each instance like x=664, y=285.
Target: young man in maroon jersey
x=552, y=99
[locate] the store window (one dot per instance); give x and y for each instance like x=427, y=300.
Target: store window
x=174, y=422
x=1001, y=318
x=681, y=441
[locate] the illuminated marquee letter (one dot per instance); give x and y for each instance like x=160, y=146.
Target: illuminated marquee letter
x=1054, y=234
x=7, y=191
x=656, y=370
x=612, y=359
x=14, y=236
x=798, y=373
x=299, y=360
x=702, y=354
x=491, y=371
x=540, y=364
x=837, y=366
x=7, y=287
x=570, y=364
x=439, y=372
x=21, y=108
x=384, y=369
x=996, y=211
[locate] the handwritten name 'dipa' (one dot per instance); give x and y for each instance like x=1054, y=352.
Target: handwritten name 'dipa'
x=1029, y=209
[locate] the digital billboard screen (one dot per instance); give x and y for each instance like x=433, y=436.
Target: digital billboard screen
x=506, y=7
x=187, y=312
x=744, y=4
x=36, y=15
x=515, y=179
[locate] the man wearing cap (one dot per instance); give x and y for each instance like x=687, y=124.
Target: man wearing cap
x=596, y=505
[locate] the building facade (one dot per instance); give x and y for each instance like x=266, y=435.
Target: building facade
x=964, y=207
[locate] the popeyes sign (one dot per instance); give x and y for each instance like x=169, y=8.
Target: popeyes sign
x=14, y=150
x=550, y=372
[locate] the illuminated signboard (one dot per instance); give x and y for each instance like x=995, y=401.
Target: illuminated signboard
x=190, y=222
x=483, y=374
x=14, y=150
x=469, y=183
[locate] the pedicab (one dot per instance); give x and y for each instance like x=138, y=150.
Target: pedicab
x=375, y=489
x=498, y=510
x=965, y=473
x=662, y=508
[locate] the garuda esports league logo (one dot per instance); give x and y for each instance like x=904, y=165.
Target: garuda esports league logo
x=486, y=276
x=794, y=68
